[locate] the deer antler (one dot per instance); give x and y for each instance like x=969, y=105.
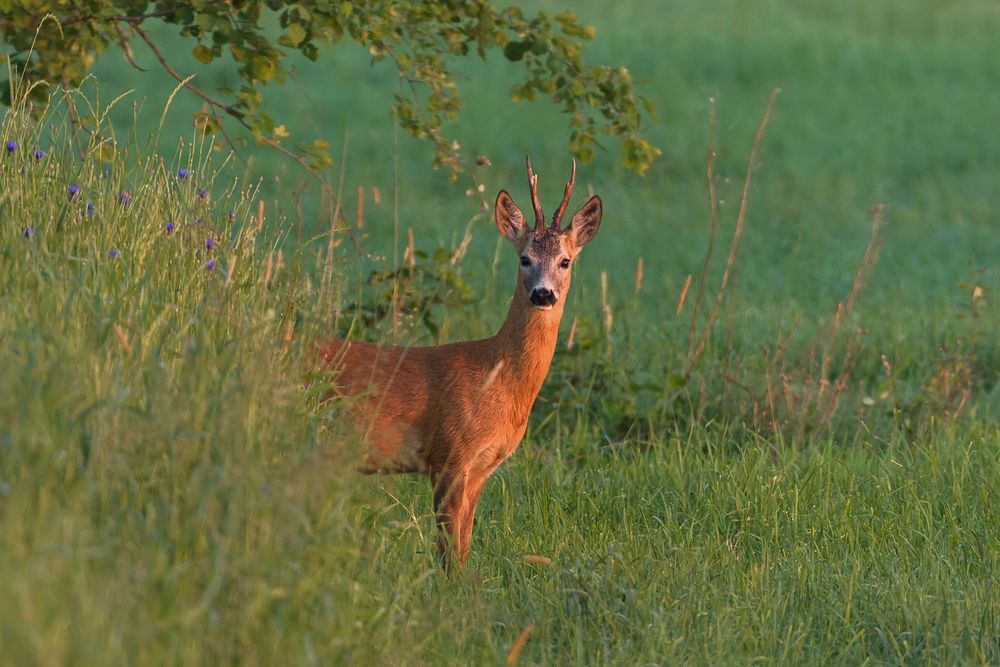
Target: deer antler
x=567, y=193
x=537, y=205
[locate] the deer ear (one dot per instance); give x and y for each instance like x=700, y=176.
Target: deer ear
x=510, y=220
x=585, y=222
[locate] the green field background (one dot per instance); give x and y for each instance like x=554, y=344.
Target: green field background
x=170, y=494
x=887, y=102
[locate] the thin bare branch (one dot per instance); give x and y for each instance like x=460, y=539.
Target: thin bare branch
x=713, y=204
x=126, y=47
x=737, y=233
x=869, y=259
x=293, y=155
x=828, y=333
x=185, y=81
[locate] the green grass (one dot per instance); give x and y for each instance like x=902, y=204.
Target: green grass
x=171, y=494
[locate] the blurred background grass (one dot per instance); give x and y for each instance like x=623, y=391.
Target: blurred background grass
x=167, y=495
x=889, y=102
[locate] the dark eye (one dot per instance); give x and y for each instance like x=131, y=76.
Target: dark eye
x=564, y=263
x=525, y=261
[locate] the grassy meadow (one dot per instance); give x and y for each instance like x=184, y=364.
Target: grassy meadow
x=806, y=473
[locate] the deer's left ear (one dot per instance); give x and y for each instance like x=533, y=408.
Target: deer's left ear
x=585, y=222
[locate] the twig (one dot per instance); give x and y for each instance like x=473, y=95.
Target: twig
x=295, y=156
x=90, y=18
x=186, y=82
x=133, y=22
x=737, y=234
x=868, y=260
x=126, y=47
x=714, y=208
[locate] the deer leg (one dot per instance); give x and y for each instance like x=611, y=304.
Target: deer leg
x=456, y=494
x=473, y=489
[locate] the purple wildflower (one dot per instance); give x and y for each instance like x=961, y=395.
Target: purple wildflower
x=210, y=265
x=39, y=154
x=11, y=146
x=89, y=211
x=27, y=231
x=199, y=222
x=125, y=198
x=113, y=253
x=202, y=192
x=183, y=173
x=209, y=243
x=232, y=214
x=170, y=228
x=72, y=190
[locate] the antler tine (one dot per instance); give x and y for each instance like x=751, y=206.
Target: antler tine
x=567, y=193
x=537, y=205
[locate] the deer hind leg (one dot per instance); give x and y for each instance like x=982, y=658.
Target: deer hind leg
x=456, y=494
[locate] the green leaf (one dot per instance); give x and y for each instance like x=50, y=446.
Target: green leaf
x=675, y=381
x=263, y=68
x=296, y=34
x=202, y=54
x=514, y=51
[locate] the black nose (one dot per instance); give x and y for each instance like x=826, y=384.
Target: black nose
x=540, y=296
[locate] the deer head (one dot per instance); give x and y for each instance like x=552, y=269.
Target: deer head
x=547, y=253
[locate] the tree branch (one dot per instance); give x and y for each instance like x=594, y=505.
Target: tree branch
x=183, y=81
x=126, y=48
x=267, y=141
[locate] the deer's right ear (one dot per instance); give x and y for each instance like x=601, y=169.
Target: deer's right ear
x=510, y=220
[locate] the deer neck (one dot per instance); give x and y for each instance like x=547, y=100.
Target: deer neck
x=526, y=344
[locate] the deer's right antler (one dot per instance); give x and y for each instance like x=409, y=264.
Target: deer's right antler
x=537, y=205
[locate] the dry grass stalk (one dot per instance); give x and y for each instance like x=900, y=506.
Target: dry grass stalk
x=519, y=643
x=463, y=247
x=606, y=309
x=684, y=292
x=572, y=335
x=713, y=204
x=801, y=396
x=533, y=559
x=268, y=268
x=122, y=338
x=331, y=244
x=360, y=221
x=638, y=275
x=696, y=349
x=232, y=269
x=410, y=254
x=805, y=397
x=949, y=388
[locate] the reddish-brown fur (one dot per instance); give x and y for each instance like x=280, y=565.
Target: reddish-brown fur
x=457, y=411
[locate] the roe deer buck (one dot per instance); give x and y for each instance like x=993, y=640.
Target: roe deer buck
x=457, y=411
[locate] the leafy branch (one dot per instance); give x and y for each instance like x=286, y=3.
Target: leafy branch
x=423, y=39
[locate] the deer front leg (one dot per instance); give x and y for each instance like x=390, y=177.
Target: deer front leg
x=456, y=494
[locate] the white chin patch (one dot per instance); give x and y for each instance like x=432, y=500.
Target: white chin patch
x=541, y=307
